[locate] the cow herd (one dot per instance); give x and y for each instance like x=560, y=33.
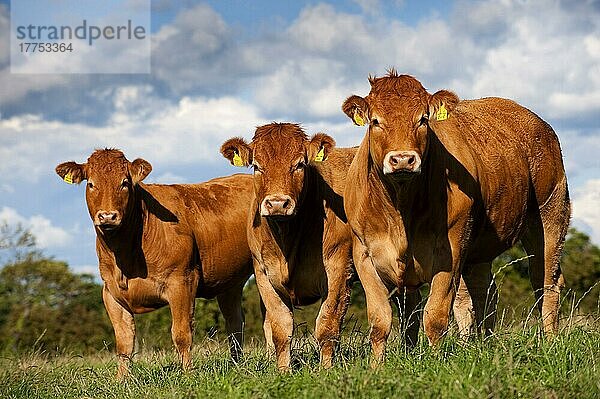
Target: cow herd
x=436, y=190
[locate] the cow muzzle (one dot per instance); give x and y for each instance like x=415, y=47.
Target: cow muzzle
x=107, y=220
x=278, y=206
x=402, y=164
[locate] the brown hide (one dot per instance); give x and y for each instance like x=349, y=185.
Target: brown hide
x=302, y=251
x=167, y=245
x=491, y=174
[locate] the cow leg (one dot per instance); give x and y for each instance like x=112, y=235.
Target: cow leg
x=484, y=294
x=544, y=239
x=334, y=306
x=182, y=305
x=463, y=311
x=439, y=304
x=230, y=303
x=379, y=310
x=269, y=346
x=279, y=314
x=410, y=316
x=476, y=300
x=124, y=327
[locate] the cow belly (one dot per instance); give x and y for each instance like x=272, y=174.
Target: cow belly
x=488, y=244
x=139, y=296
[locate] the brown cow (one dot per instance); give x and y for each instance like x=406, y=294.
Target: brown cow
x=163, y=245
x=297, y=230
x=444, y=186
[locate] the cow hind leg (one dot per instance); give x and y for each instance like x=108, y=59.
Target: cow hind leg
x=544, y=239
x=410, y=316
x=464, y=314
x=124, y=327
x=476, y=300
x=230, y=303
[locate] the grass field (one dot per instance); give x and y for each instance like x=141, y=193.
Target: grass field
x=515, y=364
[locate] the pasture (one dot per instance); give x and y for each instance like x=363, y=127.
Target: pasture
x=515, y=362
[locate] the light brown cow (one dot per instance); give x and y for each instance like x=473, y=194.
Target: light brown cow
x=163, y=245
x=443, y=186
x=297, y=230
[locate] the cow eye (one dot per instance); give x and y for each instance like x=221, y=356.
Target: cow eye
x=90, y=185
x=424, y=119
x=300, y=165
x=256, y=168
x=125, y=184
x=375, y=122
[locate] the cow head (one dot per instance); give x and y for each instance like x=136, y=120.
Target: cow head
x=111, y=180
x=398, y=111
x=279, y=154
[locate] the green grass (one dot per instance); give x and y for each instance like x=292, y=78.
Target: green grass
x=506, y=365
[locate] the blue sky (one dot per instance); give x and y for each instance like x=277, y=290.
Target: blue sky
x=220, y=68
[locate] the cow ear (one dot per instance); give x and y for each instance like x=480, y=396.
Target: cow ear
x=237, y=151
x=139, y=169
x=72, y=172
x=357, y=109
x=441, y=104
x=319, y=147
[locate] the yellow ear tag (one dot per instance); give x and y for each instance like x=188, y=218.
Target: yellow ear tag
x=68, y=178
x=442, y=114
x=320, y=155
x=237, y=160
x=358, y=119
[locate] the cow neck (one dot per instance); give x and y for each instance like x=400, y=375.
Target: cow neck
x=396, y=198
x=126, y=242
x=288, y=234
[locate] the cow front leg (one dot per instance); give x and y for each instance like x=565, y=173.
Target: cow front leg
x=334, y=306
x=182, y=304
x=437, y=309
x=269, y=345
x=124, y=327
x=230, y=303
x=280, y=317
x=379, y=310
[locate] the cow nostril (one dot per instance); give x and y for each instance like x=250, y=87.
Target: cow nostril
x=113, y=217
x=286, y=204
x=411, y=160
x=268, y=204
x=393, y=161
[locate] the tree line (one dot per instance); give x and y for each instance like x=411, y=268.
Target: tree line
x=46, y=306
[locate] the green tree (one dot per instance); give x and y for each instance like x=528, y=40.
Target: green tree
x=16, y=243
x=44, y=305
x=581, y=267
x=580, y=264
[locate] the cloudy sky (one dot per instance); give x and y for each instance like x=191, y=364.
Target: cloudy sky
x=220, y=68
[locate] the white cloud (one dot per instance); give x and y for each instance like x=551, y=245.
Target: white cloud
x=586, y=203
x=166, y=178
x=190, y=131
x=46, y=234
